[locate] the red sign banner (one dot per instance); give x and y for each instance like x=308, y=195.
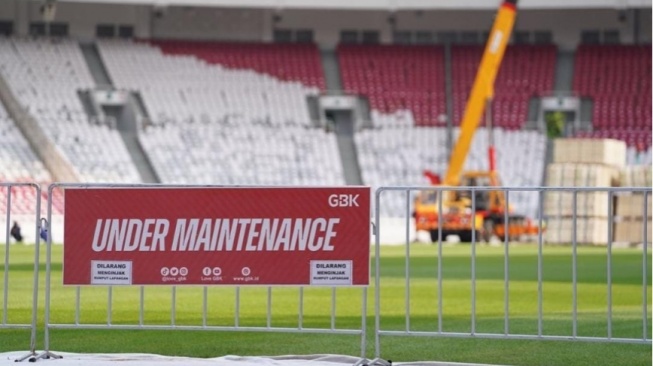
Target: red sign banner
x=217, y=236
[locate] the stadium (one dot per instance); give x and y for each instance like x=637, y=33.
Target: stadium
x=503, y=150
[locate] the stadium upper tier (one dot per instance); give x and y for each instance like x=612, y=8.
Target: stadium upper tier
x=287, y=62
x=412, y=78
x=221, y=125
x=45, y=76
x=184, y=88
x=397, y=78
x=527, y=71
x=618, y=79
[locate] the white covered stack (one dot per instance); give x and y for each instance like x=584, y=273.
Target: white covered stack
x=629, y=222
x=582, y=163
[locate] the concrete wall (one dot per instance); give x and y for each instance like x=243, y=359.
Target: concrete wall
x=211, y=23
x=81, y=18
x=252, y=24
x=389, y=4
x=566, y=25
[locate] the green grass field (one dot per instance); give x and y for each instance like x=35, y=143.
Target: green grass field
x=457, y=305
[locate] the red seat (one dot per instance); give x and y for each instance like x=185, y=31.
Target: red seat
x=526, y=71
x=396, y=77
x=618, y=79
x=290, y=62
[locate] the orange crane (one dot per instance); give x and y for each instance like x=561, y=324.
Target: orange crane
x=489, y=216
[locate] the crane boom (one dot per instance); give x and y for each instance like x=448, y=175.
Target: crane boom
x=483, y=87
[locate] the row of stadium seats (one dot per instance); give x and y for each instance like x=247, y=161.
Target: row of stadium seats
x=193, y=90
x=397, y=77
x=526, y=71
x=413, y=78
x=243, y=154
x=618, y=78
x=219, y=125
x=398, y=156
x=17, y=160
x=18, y=164
x=45, y=76
x=286, y=62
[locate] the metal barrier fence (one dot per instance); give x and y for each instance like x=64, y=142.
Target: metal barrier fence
x=9, y=311
x=208, y=295
x=432, y=320
x=438, y=325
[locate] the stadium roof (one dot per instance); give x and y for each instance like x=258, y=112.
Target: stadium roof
x=385, y=4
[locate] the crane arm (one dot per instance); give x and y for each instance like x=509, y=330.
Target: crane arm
x=483, y=87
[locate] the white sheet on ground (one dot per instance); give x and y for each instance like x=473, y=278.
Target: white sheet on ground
x=142, y=359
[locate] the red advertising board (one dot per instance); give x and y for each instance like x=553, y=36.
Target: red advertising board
x=217, y=236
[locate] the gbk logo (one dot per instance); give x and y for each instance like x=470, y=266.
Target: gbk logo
x=343, y=200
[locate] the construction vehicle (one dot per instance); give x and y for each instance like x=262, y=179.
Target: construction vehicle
x=486, y=215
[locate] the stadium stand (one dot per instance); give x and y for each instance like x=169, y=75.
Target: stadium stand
x=618, y=80
x=211, y=121
x=412, y=79
x=210, y=102
x=19, y=164
x=287, y=62
x=399, y=156
x=406, y=88
x=409, y=79
x=526, y=71
x=45, y=75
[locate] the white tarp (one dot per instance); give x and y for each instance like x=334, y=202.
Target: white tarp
x=132, y=359
x=140, y=359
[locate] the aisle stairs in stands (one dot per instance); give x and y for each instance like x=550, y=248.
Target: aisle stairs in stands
x=127, y=115
x=344, y=125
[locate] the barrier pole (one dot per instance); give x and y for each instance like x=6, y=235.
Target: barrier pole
x=37, y=250
x=5, y=304
x=609, y=269
x=574, y=265
x=48, y=269
x=407, y=267
x=35, y=285
x=506, y=264
x=645, y=271
x=377, y=275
